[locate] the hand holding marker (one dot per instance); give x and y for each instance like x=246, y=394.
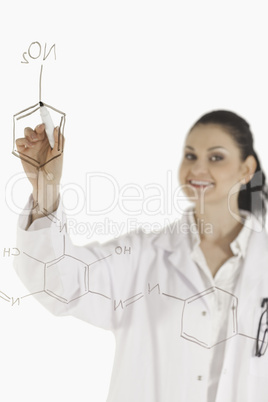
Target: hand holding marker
x=49, y=125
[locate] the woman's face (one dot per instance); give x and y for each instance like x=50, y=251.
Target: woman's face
x=211, y=165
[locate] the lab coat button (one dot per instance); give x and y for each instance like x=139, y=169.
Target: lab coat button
x=199, y=378
x=204, y=313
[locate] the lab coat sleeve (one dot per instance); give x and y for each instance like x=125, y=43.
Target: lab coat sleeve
x=88, y=282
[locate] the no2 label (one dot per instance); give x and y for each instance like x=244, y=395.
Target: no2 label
x=35, y=52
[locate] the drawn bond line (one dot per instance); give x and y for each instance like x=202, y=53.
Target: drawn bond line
x=190, y=309
x=49, y=275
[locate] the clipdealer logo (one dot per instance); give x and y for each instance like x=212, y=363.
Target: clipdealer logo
x=110, y=227
x=102, y=194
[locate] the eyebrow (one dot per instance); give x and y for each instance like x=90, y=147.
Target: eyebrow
x=209, y=149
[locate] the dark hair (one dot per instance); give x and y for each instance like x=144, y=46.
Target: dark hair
x=253, y=195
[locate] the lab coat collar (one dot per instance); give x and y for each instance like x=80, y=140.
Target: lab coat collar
x=239, y=244
x=176, y=240
x=185, y=229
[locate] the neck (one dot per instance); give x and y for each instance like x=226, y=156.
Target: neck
x=215, y=222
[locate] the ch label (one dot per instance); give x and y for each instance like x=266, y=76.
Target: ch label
x=36, y=51
x=7, y=252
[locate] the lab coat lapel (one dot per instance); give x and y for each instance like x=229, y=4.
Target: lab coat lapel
x=181, y=260
x=254, y=267
x=176, y=243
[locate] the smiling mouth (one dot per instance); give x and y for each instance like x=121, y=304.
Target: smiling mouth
x=200, y=183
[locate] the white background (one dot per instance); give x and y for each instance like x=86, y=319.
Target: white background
x=132, y=77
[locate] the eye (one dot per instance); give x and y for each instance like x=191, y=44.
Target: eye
x=190, y=156
x=216, y=158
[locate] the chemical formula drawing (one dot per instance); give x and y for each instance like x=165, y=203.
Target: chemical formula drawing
x=48, y=114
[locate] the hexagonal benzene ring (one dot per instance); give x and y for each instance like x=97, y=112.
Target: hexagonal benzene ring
x=198, y=322
x=76, y=273
x=30, y=117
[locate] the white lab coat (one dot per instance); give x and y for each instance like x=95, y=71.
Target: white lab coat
x=146, y=297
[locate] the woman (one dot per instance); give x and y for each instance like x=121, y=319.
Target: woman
x=184, y=307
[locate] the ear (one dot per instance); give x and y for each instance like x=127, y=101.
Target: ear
x=249, y=168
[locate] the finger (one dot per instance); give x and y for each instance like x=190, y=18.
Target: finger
x=31, y=135
x=23, y=143
x=28, y=132
x=40, y=131
x=58, y=142
x=35, y=135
